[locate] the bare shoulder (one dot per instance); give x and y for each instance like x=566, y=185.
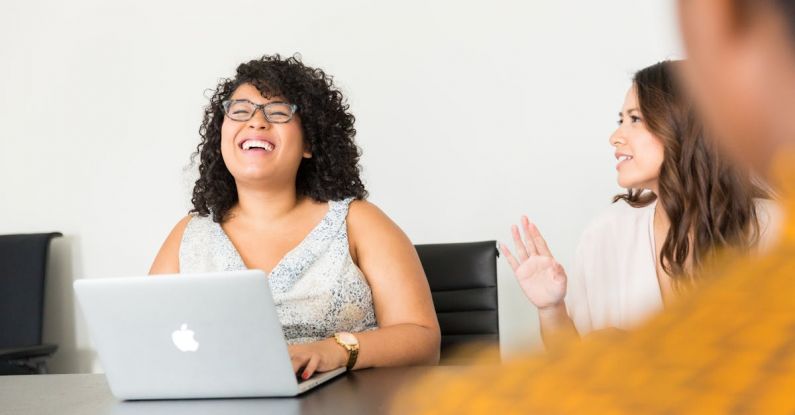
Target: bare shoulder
x=369, y=226
x=167, y=259
x=366, y=217
x=179, y=229
x=363, y=210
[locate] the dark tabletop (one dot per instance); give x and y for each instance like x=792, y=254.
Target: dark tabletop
x=368, y=391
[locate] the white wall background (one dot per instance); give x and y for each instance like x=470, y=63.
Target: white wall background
x=100, y=104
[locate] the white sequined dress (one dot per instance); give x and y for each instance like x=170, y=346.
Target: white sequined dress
x=317, y=288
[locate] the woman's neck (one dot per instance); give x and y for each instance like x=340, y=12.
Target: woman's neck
x=661, y=220
x=265, y=204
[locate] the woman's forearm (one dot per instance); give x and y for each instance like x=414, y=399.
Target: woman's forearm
x=402, y=344
x=557, y=328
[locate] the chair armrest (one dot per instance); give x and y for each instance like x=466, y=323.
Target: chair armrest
x=27, y=352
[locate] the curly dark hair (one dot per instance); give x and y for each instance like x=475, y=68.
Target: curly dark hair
x=333, y=171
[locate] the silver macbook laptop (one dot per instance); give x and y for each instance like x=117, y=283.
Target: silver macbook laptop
x=213, y=335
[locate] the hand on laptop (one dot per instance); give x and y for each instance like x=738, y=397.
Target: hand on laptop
x=314, y=357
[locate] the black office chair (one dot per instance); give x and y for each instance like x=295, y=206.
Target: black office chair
x=463, y=280
x=23, y=264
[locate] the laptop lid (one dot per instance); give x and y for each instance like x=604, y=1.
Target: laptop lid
x=213, y=335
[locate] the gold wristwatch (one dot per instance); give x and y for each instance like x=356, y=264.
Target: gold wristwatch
x=351, y=344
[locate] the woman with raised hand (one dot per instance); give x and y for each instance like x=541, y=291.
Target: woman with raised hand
x=684, y=202
x=279, y=190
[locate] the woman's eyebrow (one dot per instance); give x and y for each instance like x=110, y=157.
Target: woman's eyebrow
x=628, y=112
x=265, y=103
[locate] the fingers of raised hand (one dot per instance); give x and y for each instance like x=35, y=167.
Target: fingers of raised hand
x=521, y=249
x=509, y=257
x=533, y=234
x=530, y=242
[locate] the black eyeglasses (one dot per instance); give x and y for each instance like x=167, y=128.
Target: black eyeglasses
x=275, y=112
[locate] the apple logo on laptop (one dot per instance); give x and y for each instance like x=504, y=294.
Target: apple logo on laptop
x=183, y=339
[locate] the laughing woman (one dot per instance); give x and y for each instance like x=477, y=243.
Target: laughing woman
x=279, y=190
x=684, y=201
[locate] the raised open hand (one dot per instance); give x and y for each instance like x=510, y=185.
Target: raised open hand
x=542, y=278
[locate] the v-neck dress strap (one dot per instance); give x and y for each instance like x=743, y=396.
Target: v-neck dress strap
x=317, y=288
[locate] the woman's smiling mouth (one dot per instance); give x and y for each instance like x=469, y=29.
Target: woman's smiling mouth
x=257, y=144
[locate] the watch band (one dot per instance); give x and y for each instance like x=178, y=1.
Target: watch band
x=353, y=354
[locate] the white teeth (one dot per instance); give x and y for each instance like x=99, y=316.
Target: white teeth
x=258, y=144
x=624, y=158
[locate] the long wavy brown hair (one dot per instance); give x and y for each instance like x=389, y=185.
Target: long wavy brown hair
x=709, y=200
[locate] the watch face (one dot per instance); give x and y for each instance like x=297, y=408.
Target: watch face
x=348, y=338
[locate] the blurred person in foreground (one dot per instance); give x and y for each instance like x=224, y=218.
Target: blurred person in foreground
x=729, y=347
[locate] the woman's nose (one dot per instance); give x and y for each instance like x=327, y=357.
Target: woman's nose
x=617, y=138
x=258, y=120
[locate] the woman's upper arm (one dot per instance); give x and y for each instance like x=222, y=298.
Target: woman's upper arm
x=167, y=259
x=390, y=263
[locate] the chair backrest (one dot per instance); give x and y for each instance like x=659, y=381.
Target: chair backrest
x=23, y=264
x=463, y=281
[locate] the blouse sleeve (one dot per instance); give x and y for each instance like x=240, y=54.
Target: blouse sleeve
x=577, y=290
x=770, y=220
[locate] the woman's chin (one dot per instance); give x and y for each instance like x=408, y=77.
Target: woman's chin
x=629, y=184
x=254, y=178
